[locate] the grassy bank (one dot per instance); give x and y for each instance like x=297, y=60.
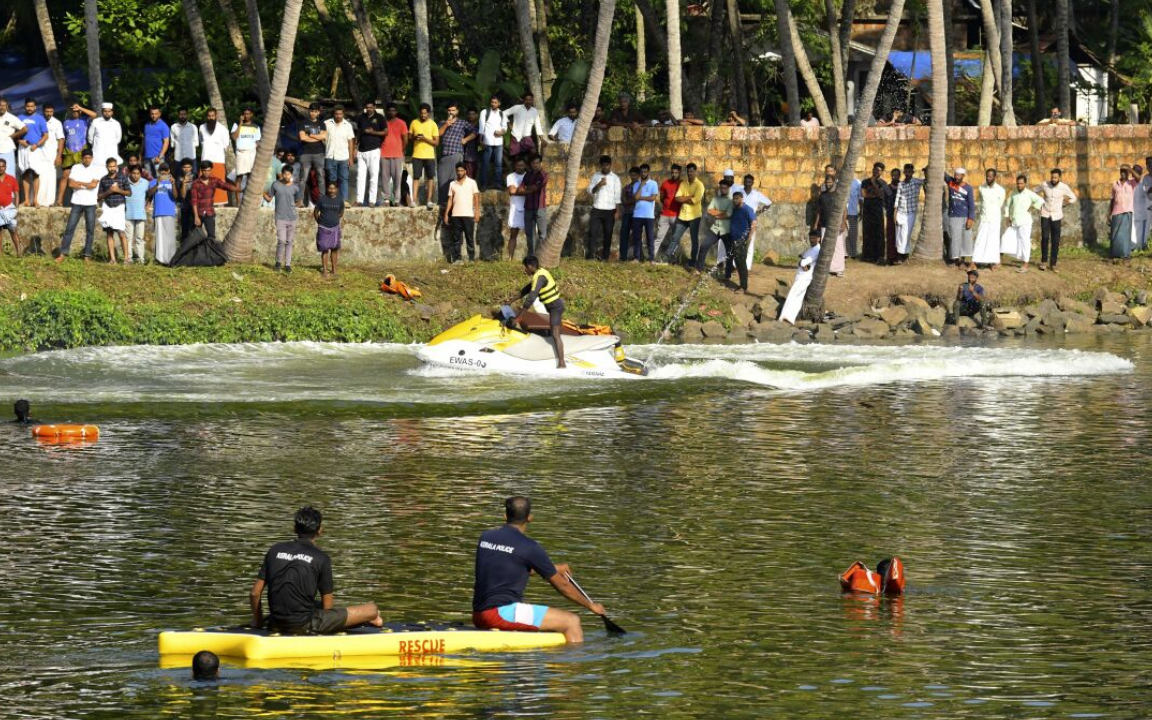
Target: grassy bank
x=44, y=305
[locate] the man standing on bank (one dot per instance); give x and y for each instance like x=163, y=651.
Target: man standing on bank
x=505, y=557
x=294, y=571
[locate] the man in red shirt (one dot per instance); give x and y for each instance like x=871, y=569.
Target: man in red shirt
x=9, y=193
x=669, y=206
x=203, y=195
x=392, y=157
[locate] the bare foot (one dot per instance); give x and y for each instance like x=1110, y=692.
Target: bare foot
x=60, y=259
x=376, y=621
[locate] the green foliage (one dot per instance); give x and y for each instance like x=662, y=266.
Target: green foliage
x=70, y=318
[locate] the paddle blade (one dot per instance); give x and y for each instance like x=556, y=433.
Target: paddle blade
x=611, y=627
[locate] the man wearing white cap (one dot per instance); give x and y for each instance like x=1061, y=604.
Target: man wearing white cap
x=961, y=216
x=105, y=134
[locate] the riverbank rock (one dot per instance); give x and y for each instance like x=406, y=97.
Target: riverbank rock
x=1068, y=304
x=773, y=331
x=1104, y=296
x=744, y=316
x=937, y=316
x=1117, y=319
x=1108, y=307
x=1141, y=315
x=1076, y=323
x=692, y=332
x=713, y=329
x=870, y=328
x=1007, y=320
x=893, y=315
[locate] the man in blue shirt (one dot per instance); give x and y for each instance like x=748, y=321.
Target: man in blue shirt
x=75, y=139
x=742, y=227
x=136, y=215
x=31, y=156
x=646, y=192
x=971, y=300
x=505, y=557
x=157, y=137
x=961, y=217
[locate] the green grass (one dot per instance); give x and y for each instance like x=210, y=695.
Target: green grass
x=45, y=306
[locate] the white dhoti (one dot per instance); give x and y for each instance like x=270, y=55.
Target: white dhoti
x=516, y=216
x=987, y=248
x=839, y=254
x=46, y=197
x=112, y=218
x=28, y=159
x=245, y=159
x=796, y=293
x=1017, y=241
x=904, y=224
x=164, y=244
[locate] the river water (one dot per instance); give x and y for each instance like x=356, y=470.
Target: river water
x=710, y=507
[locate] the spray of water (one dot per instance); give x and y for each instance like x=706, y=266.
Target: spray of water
x=667, y=331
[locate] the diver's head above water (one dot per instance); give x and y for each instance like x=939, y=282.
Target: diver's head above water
x=308, y=522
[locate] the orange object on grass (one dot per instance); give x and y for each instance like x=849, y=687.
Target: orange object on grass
x=77, y=432
x=399, y=287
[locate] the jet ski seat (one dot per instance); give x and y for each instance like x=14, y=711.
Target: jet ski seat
x=531, y=322
x=536, y=347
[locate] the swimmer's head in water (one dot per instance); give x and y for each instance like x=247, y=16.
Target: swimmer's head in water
x=308, y=521
x=205, y=666
x=22, y=408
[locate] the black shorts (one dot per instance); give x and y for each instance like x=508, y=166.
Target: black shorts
x=323, y=622
x=555, y=312
x=423, y=168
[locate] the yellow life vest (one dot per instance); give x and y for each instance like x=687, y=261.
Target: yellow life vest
x=550, y=293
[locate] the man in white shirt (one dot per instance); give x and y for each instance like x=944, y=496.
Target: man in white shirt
x=84, y=179
x=605, y=189
x=462, y=213
x=105, y=134
x=53, y=152
x=1056, y=195
x=563, y=129
x=753, y=199
x=185, y=140
x=492, y=128
x=214, y=144
x=11, y=130
x=339, y=149
x=246, y=135
x=524, y=119
x=514, y=182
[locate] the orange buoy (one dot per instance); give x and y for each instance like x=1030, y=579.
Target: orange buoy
x=73, y=432
x=888, y=579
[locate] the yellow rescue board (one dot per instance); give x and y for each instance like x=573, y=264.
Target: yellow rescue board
x=399, y=640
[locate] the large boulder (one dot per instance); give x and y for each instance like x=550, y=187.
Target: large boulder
x=713, y=329
x=1104, y=295
x=966, y=323
x=937, y=316
x=894, y=315
x=910, y=301
x=950, y=331
x=692, y=331
x=841, y=320
x=1068, y=304
x=1108, y=307
x=1076, y=323
x=739, y=335
x=1141, y=315
x=1007, y=320
x=823, y=333
x=1053, y=318
x=744, y=316
x=921, y=326
x=773, y=331
x=1120, y=319
x=870, y=328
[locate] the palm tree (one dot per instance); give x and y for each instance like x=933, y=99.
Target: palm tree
x=737, y=58
x=1063, y=56
x=809, y=75
x=44, y=20
x=675, y=64
x=1041, y=100
x=337, y=43
x=814, y=299
x=839, y=78
x=549, y=251
x=931, y=244
x=238, y=243
x=788, y=60
x=641, y=52
x=1009, y=119
x=236, y=36
x=92, y=38
x=528, y=44
x=423, y=58
x=992, y=58
x=379, y=73
x=259, y=59
x=540, y=29
x=204, y=57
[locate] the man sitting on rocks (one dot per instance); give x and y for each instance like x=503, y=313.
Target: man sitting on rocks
x=971, y=300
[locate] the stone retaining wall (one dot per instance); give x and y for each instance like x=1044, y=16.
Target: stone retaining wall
x=788, y=162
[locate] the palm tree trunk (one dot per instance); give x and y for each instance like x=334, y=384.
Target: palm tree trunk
x=44, y=20
x=847, y=15
x=236, y=36
x=259, y=58
x=358, y=38
x=737, y=57
x=204, y=58
x=1113, y=35
x=1006, y=64
x=547, y=69
x=788, y=60
x=379, y=72
x=839, y=78
x=92, y=39
x=988, y=18
x=1063, y=57
x=238, y=242
x=337, y=45
x=549, y=251
x=950, y=53
x=423, y=58
x=809, y=75
x=987, y=90
x=641, y=53
x=714, y=81
x=651, y=26
x=930, y=247
x=528, y=46
x=814, y=299
x=1041, y=96
x=675, y=65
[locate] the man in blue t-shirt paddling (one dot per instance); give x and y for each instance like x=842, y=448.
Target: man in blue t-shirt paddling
x=505, y=557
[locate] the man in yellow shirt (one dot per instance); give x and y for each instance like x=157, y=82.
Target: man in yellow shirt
x=425, y=137
x=691, y=199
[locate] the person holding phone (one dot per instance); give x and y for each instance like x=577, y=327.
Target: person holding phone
x=971, y=300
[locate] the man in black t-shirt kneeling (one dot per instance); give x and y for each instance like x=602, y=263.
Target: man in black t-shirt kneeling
x=294, y=571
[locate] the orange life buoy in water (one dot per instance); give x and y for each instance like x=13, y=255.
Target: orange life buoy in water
x=889, y=580
x=77, y=432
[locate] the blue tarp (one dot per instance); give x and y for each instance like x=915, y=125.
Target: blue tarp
x=38, y=83
x=901, y=60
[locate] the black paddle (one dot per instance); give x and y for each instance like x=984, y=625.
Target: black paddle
x=611, y=627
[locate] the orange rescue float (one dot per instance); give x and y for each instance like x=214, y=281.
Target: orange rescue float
x=66, y=432
x=888, y=579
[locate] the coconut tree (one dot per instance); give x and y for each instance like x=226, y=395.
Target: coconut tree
x=1063, y=56
x=809, y=75
x=1038, y=88
x=931, y=244
x=92, y=39
x=204, y=57
x=540, y=29
x=423, y=58
x=44, y=20
x=1006, y=105
x=788, y=60
x=737, y=34
x=379, y=73
x=528, y=45
x=641, y=52
x=549, y=251
x=236, y=36
x=992, y=59
x=814, y=299
x=675, y=64
x=337, y=42
x=259, y=58
x=238, y=242
x=839, y=78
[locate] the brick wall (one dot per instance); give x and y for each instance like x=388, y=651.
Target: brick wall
x=788, y=162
